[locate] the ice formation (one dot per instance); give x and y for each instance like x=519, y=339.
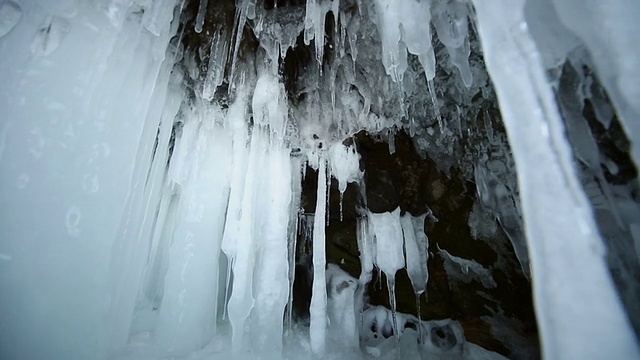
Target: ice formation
x=153, y=155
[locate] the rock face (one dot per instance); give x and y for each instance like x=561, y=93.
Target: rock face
x=500, y=318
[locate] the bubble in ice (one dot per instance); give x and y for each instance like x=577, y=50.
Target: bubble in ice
x=49, y=36
x=73, y=220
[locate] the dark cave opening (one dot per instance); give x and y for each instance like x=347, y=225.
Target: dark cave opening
x=406, y=180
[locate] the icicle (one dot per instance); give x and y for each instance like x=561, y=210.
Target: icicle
x=451, y=23
x=416, y=268
x=237, y=125
x=564, y=241
x=294, y=212
x=271, y=282
x=318, y=308
x=241, y=301
x=341, y=200
x=391, y=285
x=217, y=63
x=488, y=127
x=314, y=21
x=367, y=254
x=328, y=195
x=423, y=243
x=246, y=10
x=332, y=88
x=389, y=243
x=434, y=101
x=412, y=127
x=391, y=140
x=197, y=239
x=202, y=12
x=419, y=313
x=394, y=52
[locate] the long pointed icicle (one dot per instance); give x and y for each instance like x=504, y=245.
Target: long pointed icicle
x=318, y=309
x=296, y=191
x=202, y=11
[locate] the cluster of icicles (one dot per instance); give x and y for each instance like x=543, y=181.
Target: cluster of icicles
x=251, y=176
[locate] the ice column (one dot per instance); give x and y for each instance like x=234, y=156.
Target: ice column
x=271, y=282
x=188, y=310
x=318, y=309
x=202, y=12
x=574, y=296
x=237, y=125
x=258, y=241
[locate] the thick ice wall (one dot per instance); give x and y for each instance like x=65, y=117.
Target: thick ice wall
x=574, y=295
x=70, y=160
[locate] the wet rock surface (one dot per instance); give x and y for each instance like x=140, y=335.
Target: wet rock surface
x=501, y=318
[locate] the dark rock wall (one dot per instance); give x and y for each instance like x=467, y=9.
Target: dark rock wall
x=405, y=179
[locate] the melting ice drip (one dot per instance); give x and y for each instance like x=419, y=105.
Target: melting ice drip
x=153, y=256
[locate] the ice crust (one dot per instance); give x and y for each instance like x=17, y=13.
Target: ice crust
x=145, y=218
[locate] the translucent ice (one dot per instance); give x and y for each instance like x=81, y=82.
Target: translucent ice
x=564, y=246
x=202, y=10
x=10, y=15
x=192, y=276
x=387, y=230
x=48, y=38
x=415, y=249
x=318, y=308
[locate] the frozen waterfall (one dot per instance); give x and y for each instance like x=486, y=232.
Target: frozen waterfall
x=285, y=179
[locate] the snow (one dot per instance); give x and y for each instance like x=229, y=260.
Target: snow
x=186, y=317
